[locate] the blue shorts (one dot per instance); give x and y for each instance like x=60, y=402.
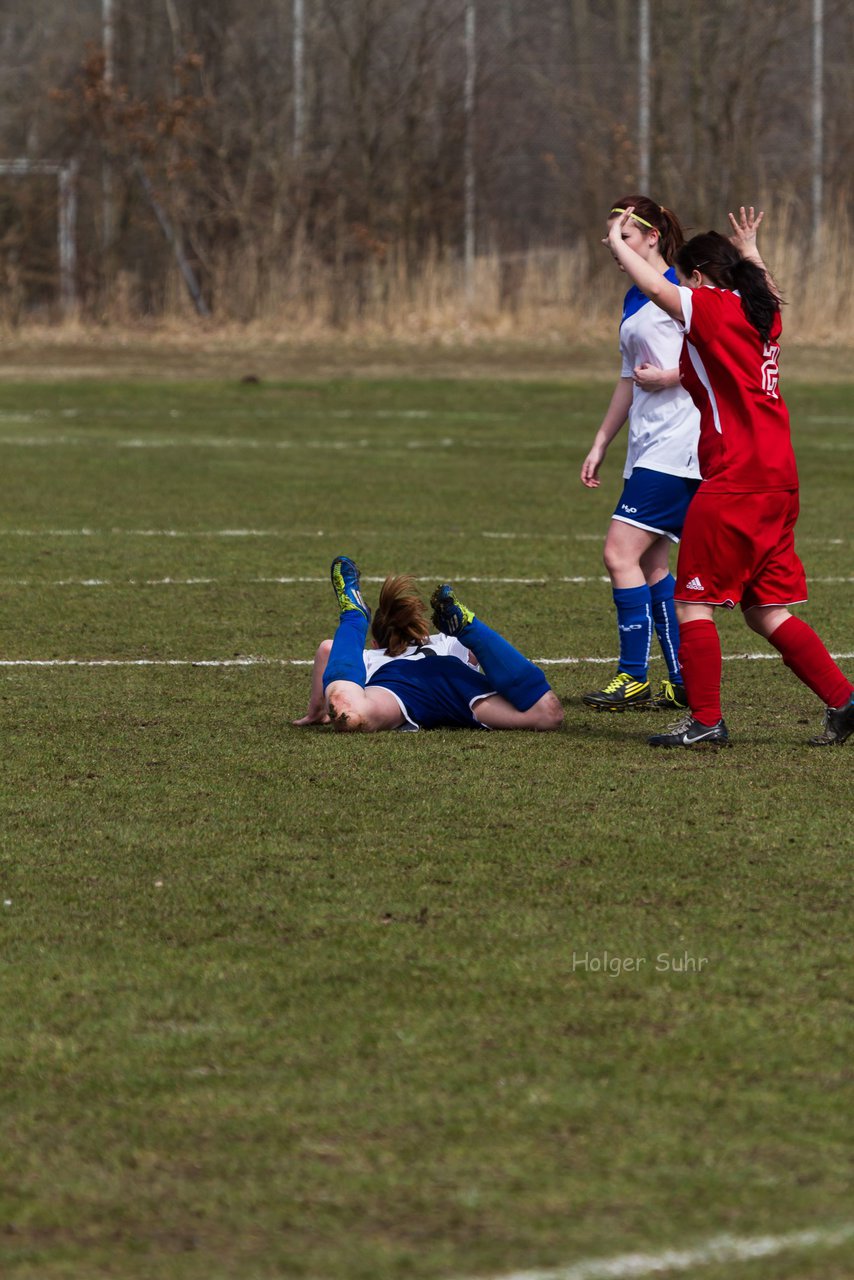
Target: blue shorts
x=436, y=690
x=656, y=501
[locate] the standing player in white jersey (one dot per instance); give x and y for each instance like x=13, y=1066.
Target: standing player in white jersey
x=660, y=475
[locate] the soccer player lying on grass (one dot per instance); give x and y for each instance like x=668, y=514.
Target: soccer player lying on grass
x=467, y=676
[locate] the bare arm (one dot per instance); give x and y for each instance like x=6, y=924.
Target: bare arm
x=658, y=289
x=615, y=416
x=650, y=378
x=744, y=229
x=317, y=713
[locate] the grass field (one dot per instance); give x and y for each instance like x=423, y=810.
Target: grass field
x=283, y=1003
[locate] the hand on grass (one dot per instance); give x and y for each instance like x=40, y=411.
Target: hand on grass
x=314, y=715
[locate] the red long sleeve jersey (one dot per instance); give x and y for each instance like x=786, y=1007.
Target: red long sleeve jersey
x=732, y=377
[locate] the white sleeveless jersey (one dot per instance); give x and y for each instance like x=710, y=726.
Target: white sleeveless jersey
x=442, y=646
x=664, y=426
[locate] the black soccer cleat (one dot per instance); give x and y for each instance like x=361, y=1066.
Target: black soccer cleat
x=838, y=725
x=619, y=694
x=689, y=732
x=671, y=696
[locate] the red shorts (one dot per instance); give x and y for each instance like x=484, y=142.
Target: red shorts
x=741, y=547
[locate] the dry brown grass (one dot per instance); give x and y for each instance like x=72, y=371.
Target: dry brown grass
x=567, y=295
x=547, y=313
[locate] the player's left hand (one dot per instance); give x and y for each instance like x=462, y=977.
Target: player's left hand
x=650, y=378
x=744, y=228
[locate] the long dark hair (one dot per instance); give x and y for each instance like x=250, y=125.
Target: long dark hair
x=670, y=234
x=713, y=254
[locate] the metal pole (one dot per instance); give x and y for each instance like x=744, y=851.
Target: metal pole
x=68, y=236
x=643, y=97
x=108, y=28
x=299, y=76
x=468, y=160
x=817, y=117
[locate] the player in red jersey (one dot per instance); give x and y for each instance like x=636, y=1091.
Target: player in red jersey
x=738, y=541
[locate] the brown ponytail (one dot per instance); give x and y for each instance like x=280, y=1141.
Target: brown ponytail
x=400, y=618
x=722, y=262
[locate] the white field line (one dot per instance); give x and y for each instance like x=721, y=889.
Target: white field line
x=309, y=411
x=156, y=662
x=307, y=662
x=382, y=445
x=298, y=580
x=722, y=1250
x=326, y=533
x=166, y=533
x=246, y=442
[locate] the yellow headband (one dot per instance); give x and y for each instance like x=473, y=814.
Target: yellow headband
x=635, y=218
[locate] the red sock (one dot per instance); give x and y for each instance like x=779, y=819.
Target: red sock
x=700, y=660
x=803, y=652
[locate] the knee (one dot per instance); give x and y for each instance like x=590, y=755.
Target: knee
x=612, y=559
x=765, y=620
x=324, y=649
x=345, y=716
x=549, y=712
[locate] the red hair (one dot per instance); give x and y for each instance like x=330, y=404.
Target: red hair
x=400, y=618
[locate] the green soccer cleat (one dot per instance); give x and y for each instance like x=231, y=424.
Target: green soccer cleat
x=449, y=616
x=671, y=696
x=345, y=583
x=838, y=726
x=689, y=732
x=623, y=692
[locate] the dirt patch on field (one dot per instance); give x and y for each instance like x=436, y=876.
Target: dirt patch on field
x=235, y=354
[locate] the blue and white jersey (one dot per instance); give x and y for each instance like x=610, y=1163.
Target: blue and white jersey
x=442, y=646
x=435, y=684
x=664, y=426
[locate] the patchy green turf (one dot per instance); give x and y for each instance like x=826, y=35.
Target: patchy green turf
x=282, y=1003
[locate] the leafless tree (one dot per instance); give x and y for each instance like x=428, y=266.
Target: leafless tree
x=202, y=98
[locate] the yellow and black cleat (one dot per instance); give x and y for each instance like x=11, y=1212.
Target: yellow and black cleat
x=622, y=694
x=671, y=696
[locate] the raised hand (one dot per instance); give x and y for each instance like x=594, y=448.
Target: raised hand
x=744, y=229
x=615, y=231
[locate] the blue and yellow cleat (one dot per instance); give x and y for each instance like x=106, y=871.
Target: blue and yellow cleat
x=623, y=692
x=449, y=616
x=345, y=584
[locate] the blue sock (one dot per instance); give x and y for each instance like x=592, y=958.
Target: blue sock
x=346, y=661
x=514, y=676
x=666, y=626
x=634, y=619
